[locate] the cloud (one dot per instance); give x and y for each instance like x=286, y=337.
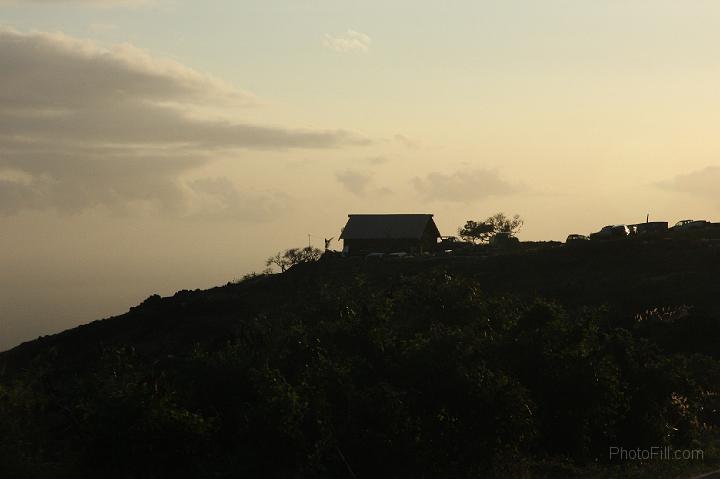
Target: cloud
x=97, y=3
x=376, y=160
x=701, y=183
x=72, y=178
x=356, y=182
x=219, y=198
x=55, y=71
x=360, y=183
x=102, y=28
x=463, y=185
x=84, y=126
x=405, y=141
x=351, y=41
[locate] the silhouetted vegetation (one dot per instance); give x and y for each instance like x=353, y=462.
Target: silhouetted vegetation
x=474, y=231
x=290, y=257
x=344, y=368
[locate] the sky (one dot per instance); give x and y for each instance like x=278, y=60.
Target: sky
x=152, y=146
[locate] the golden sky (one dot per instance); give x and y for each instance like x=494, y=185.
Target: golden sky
x=151, y=146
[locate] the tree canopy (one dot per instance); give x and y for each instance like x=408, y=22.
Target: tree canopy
x=482, y=231
x=425, y=375
x=291, y=257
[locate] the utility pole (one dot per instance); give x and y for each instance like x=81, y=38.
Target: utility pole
x=309, y=243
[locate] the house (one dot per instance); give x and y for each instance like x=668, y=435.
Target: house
x=411, y=233
x=649, y=228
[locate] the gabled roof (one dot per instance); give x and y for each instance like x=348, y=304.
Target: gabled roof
x=388, y=226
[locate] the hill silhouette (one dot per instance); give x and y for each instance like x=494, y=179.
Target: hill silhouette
x=528, y=362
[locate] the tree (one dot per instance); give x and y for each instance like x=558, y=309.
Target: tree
x=290, y=257
x=503, y=224
x=474, y=231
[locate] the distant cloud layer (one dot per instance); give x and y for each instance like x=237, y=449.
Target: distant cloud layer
x=463, y=185
x=350, y=41
x=354, y=181
x=77, y=2
x=82, y=126
x=219, y=198
x=701, y=183
x=361, y=183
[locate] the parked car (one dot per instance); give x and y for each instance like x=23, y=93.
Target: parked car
x=503, y=238
x=611, y=232
x=690, y=225
x=576, y=238
x=451, y=243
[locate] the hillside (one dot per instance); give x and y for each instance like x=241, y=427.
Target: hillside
x=527, y=362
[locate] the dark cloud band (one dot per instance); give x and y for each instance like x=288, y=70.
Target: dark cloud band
x=86, y=126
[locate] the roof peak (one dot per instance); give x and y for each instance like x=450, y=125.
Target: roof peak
x=387, y=226
x=390, y=214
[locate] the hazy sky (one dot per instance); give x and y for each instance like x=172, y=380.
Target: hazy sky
x=151, y=146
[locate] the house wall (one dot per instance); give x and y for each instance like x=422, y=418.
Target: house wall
x=430, y=239
x=428, y=243
x=653, y=227
x=364, y=246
